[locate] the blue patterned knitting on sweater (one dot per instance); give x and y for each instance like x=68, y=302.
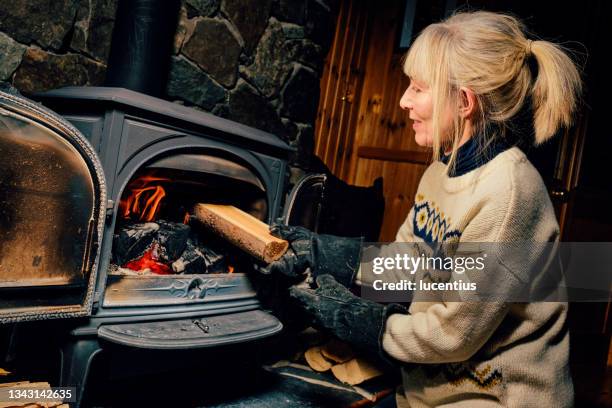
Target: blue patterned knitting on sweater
x=429, y=222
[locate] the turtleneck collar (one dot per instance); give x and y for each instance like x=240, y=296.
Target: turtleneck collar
x=470, y=155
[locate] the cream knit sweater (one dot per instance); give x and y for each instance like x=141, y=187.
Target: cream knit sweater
x=481, y=354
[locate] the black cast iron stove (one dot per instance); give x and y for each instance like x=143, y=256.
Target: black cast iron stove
x=216, y=160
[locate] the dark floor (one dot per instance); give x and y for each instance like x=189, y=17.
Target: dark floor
x=257, y=389
x=229, y=377
x=233, y=376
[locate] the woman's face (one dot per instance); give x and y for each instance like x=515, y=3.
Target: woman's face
x=418, y=102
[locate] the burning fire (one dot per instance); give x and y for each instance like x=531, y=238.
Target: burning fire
x=148, y=261
x=142, y=203
x=144, y=199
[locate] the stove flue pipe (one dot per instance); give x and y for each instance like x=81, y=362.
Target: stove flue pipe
x=142, y=44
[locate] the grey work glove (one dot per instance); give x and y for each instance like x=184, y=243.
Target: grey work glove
x=323, y=254
x=357, y=321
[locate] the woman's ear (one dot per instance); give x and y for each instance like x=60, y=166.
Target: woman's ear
x=468, y=102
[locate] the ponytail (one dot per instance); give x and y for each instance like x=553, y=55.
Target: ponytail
x=555, y=91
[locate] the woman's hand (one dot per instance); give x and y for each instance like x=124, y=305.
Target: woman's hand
x=323, y=254
x=299, y=255
x=357, y=321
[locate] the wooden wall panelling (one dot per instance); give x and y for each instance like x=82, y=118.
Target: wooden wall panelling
x=341, y=86
x=384, y=142
x=361, y=132
x=338, y=72
x=345, y=151
x=329, y=80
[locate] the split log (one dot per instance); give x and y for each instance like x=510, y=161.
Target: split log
x=315, y=359
x=242, y=229
x=355, y=371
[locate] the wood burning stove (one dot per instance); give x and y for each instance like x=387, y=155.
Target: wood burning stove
x=94, y=217
x=65, y=204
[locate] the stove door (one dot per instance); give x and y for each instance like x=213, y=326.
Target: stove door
x=304, y=205
x=51, y=193
x=319, y=203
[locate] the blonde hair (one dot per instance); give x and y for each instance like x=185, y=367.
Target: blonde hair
x=489, y=54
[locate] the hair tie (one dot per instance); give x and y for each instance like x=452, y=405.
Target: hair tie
x=528, y=47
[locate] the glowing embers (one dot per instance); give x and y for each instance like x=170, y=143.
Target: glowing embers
x=164, y=247
x=144, y=199
x=149, y=262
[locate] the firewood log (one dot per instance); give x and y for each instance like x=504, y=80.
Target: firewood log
x=241, y=229
x=355, y=371
x=315, y=359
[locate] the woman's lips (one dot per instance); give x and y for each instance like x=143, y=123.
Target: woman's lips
x=416, y=124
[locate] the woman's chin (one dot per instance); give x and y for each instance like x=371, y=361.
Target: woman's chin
x=422, y=140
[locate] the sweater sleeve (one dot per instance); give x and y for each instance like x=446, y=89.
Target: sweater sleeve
x=445, y=333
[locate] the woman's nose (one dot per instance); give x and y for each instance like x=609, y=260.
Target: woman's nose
x=405, y=102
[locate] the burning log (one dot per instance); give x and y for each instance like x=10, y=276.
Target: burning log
x=164, y=248
x=133, y=241
x=172, y=238
x=241, y=229
x=150, y=261
x=199, y=259
x=166, y=241
x=191, y=261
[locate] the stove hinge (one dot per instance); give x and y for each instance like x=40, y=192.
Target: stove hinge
x=96, y=301
x=110, y=207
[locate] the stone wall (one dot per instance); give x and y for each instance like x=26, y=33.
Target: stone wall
x=257, y=62
x=47, y=44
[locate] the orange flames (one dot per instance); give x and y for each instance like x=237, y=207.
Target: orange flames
x=144, y=200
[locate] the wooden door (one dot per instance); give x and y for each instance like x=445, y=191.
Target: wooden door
x=341, y=84
x=361, y=132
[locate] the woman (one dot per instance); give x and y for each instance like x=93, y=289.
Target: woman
x=472, y=77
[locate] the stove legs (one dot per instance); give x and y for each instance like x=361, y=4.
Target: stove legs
x=77, y=355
